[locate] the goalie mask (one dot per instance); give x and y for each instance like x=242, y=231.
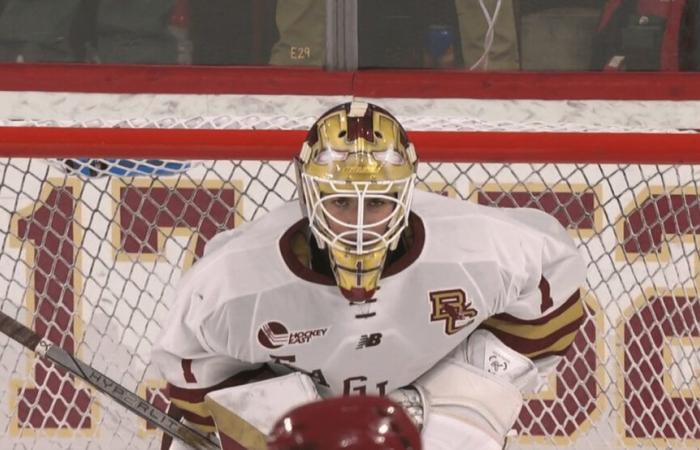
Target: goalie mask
x=356, y=174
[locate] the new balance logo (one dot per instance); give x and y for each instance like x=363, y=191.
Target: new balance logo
x=369, y=340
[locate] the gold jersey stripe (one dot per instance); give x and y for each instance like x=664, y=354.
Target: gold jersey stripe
x=526, y=331
x=535, y=347
x=558, y=347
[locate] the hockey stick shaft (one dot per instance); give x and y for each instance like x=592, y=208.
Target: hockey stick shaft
x=104, y=384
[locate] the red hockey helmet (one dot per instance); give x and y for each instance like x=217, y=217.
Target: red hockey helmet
x=346, y=423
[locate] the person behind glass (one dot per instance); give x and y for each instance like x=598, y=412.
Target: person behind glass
x=302, y=33
x=108, y=31
x=439, y=47
x=487, y=35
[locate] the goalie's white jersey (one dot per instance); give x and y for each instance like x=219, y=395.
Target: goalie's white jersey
x=249, y=301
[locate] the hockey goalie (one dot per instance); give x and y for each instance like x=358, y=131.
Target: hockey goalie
x=451, y=309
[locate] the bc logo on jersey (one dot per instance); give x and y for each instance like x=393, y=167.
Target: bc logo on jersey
x=453, y=307
x=274, y=335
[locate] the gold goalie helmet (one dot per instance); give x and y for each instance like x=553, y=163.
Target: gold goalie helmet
x=357, y=159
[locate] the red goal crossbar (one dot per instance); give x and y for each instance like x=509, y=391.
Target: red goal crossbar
x=444, y=146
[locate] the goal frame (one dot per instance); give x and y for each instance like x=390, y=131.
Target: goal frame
x=443, y=146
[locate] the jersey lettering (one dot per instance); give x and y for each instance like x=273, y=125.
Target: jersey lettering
x=286, y=361
x=357, y=386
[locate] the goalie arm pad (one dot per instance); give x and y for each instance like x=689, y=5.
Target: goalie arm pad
x=461, y=391
x=486, y=351
x=478, y=385
x=245, y=414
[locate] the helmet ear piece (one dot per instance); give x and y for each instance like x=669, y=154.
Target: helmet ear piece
x=412, y=156
x=305, y=153
x=298, y=170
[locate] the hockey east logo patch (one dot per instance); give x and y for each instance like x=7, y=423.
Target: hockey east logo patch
x=275, y=335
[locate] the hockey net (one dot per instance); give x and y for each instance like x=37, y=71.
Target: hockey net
x=93, y=246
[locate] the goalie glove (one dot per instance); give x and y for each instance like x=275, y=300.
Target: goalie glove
x=481, y=401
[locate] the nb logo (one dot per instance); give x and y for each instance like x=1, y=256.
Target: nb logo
x=369, y=340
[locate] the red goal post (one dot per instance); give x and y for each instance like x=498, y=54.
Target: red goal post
x=91, y=261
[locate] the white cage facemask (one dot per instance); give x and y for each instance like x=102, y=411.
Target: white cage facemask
x=358, y=233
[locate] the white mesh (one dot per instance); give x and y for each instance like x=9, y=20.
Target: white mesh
x=631, y=379
x=409, y=121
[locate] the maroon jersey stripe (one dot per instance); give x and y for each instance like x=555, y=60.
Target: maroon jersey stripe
x=571, y=301
x=530, y=346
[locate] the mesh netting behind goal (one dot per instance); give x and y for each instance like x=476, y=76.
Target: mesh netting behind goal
x=92, y=249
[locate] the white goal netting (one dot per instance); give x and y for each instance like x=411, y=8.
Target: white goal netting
x=91, y=250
